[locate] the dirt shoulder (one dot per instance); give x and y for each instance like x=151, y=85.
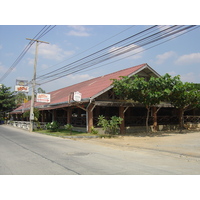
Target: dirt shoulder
x=184, y=144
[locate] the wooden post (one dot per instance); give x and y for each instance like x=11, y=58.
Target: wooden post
x=54, y=117
x=122, y=125
x=90, y=118
x=42, y=116
x=69, y=114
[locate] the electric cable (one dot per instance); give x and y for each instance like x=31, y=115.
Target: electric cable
x=118, y=49
x=88, y=48
x=96, y=52
x=41, y=33
x=165, y=33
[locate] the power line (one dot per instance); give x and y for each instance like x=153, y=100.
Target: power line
x=90, y=48
x=143, y=49
x=96, y=53
x=41, y=33
x=71, y=68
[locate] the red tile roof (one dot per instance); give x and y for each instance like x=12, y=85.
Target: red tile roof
x=88, y=89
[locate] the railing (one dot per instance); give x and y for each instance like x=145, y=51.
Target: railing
x=129, y=121
x=78, y=121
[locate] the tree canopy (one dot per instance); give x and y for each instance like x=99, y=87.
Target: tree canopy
x=151, y=93
x=7, y=100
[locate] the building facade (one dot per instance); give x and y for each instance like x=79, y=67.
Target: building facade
x=97, y=98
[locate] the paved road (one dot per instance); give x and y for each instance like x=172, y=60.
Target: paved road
x=27, y=153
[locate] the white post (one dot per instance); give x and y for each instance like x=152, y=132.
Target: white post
x=33, y=84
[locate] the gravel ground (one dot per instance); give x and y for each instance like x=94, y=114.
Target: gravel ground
x=184, y=144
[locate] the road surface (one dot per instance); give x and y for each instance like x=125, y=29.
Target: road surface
x=25, y=153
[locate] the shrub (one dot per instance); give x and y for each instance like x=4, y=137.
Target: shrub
x=110, y=126
x=69, y=127
x=53, y=126
x=94, y=131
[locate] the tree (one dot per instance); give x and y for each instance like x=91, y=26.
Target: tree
x=184, y=96
x=137, y=89
x=40, y=90
x=36, y=114
x=7, y=100
x=181, y=95
x=20, y=98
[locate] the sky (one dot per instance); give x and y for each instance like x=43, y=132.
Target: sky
x=68, y=43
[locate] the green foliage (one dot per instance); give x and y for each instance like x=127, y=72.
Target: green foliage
x=165, y=88
x=40, y=90
x=110, y=126
x=94, y=131
x=20, y=97
x=7, y=101
x=53, y=126
x=36, y=114
x=69, y=127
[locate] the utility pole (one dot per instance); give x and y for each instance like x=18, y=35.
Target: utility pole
x=34, y=84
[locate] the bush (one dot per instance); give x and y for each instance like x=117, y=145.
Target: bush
x=110, y=126
x=53, y=126
x=94, y=131
x=69, y=127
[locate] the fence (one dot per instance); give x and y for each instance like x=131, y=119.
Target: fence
x=26, y=124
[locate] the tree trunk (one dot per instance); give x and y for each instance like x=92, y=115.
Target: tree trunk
x=147, y=119
x=155, y=123
x=181, y=119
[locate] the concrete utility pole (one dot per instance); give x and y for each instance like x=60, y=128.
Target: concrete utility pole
x=34, y=83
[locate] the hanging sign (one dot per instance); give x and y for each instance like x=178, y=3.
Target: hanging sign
x=77, y=96
x=19, y=88
x=22, y=82
x=43, y=98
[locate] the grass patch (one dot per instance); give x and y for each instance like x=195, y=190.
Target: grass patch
x=64, y=132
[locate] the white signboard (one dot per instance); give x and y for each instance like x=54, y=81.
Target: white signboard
x=43, y=98
x=22, y=82
x=19, y=88
x=77, y=96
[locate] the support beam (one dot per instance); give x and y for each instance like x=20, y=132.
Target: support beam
x=54, y=117
x=69, y=115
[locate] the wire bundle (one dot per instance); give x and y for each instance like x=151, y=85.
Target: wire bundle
x=43, y=32
x=146, y=37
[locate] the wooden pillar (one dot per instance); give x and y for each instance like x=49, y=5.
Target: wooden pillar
x=54, y=117
x=42, y=119
x=122, y=125
x=69, y=115
x=90, y=118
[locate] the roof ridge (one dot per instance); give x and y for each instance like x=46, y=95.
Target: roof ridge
x=92, y=79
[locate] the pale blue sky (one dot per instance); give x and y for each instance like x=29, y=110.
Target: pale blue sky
x=180, y=56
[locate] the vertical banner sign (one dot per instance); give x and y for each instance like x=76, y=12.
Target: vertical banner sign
x=77, y=96
x=43, y=98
